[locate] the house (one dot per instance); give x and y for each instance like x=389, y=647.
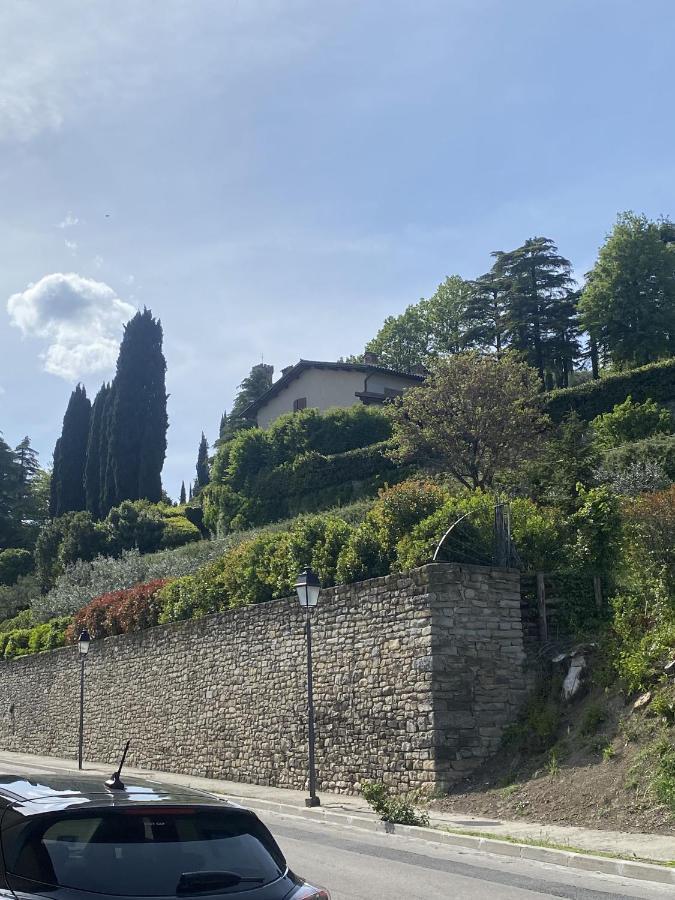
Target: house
x=310, y=384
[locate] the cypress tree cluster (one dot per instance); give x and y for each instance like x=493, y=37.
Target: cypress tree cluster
x=202, y=464
x=114, y=450
x=70, y=456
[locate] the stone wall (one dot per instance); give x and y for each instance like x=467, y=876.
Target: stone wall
x=415, y=677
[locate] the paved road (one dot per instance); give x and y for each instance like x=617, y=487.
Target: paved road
x=360, y=865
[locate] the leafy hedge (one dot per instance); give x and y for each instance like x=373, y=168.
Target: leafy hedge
x=655, y=382
x=119, y=612
x=310, y=482
x=659, y=449
x=305, y=461
x=400, y=531
x=35, y=639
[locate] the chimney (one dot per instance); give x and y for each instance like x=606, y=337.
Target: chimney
x=371, y=359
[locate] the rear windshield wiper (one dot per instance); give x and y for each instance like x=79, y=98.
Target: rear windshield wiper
x=207, y=882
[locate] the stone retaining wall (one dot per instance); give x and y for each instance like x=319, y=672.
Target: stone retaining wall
x=415, y=677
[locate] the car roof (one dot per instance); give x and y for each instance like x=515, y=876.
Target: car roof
x=54, y=792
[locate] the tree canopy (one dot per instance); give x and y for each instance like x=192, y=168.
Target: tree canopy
x=628, y=304
x=477, y=416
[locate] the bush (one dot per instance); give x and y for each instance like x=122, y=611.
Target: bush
x=392, y=808
x=13, y=564
x=362, y=556
x=119, y=612
x=653, y=382
x=16, y=597
x=36, y=639
x=629, y=422
x=178, y=531
x=659, y=449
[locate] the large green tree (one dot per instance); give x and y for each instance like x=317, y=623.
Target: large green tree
x=475, y=415
x=540, y=307
x=70, y=455
x=137, y=419
x=425, y=329
x=97, y=447
x=487, y=310
x=628, y=304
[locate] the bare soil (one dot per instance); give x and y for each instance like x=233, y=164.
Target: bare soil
x=574, y=782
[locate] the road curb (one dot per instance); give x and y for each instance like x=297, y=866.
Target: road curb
x=586, y=862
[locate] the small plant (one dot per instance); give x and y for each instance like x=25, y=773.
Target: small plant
x=662, y=707
x=553, y=763
x=608, y=752
x=592, y=719
x=508, y=791
x=398, y=809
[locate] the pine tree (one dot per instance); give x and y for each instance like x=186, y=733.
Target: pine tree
x=137, y=415
x=70, y=455
x=486, y=313
x=253, y=386
x=203, y=463
x=95, y=457
x=182, y=499
x=190, y=494
x=540, y=283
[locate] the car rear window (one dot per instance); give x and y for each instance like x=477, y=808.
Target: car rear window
x=141, y=852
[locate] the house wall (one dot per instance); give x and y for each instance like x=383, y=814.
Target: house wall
x=326, y=389
x=416, y=676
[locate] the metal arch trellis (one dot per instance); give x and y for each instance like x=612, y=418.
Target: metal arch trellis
x=505, y=553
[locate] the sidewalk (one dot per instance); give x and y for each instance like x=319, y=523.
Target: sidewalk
x=354, y=811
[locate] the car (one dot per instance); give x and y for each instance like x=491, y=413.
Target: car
x=79, y=837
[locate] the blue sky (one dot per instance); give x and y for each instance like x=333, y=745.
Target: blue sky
x=273, y=178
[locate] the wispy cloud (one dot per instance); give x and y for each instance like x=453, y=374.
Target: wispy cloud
x=68, y=222
x=80, y=318
x=72, y=246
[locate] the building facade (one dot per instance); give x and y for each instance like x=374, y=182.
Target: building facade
x=311, y=384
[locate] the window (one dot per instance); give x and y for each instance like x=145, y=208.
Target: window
x=300, y=403
x=142, y=852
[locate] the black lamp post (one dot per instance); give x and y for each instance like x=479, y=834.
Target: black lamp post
x=308, y=587
x=83, y=646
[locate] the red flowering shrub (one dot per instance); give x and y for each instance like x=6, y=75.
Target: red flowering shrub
x=119, y=612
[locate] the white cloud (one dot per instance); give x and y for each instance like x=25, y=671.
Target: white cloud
x=81, y=318
x=98, y=261
x=69, y=221
x=72, y=246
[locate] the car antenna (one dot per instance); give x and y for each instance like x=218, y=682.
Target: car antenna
x=115, y=783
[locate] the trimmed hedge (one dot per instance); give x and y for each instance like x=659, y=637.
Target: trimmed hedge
x=308, y=483
x=23, y=641
x=655, y=381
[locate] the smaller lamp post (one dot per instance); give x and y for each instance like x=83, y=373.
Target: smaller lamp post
x=307, y=585
x=83, y=646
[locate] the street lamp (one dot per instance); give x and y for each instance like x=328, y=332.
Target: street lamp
x=83, y=646
x=308, y=587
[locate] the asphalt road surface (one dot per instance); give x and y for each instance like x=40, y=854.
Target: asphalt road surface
x=361, y=865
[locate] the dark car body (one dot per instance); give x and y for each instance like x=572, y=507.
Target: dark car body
x=73, y=838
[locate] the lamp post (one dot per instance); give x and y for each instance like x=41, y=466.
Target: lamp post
x=83, y=646
x=308, y=587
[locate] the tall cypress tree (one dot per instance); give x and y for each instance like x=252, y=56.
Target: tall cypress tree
x=137, y=419
x=183, y=498
x=203, y=463
x=93, y=473
x=70, y=455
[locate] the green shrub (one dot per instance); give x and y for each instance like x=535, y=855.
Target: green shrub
x=659, y=449
x=362, y=556
x=13, y=564
x=653, y=382
x=398, y=809
x=178, y=531
x=629, y=422
x=18, y=596
x=593, y=717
